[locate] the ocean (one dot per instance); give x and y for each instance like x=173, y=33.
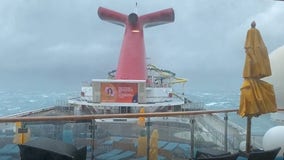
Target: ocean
x=18, y=101
x=230, y=100
x=12, y=102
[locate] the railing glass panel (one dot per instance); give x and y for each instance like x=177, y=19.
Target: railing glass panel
x=168, y=136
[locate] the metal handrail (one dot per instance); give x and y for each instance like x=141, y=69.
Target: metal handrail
x=104, y=116
x=91, y=119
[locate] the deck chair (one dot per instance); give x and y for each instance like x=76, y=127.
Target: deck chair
x=50, y=149
x=223, y=157
x=264, y=155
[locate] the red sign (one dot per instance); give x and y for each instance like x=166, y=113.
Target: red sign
x=119, y=92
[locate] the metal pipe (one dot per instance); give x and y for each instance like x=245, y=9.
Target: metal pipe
x=148, y=124
x=248, y=135
x=103, y=116
x=192, y=143
x=93, y=129
x=226, y=132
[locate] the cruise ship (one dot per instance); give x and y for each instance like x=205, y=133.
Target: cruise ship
x=138, y=112
x=134, y=84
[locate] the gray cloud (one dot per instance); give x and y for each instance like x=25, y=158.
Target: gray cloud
x=63, y=43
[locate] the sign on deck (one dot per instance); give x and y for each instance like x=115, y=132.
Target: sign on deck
x=119, y=91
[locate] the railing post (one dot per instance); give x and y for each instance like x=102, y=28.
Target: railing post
x=58, y=134
x=226, y=132
x=148, y=124
x=93, y=128
x=192, y=126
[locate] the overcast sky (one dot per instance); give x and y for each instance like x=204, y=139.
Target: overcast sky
x=51, y=43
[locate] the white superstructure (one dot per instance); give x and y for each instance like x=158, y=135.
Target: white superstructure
x=128, y=96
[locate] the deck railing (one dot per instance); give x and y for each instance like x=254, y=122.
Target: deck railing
x=188, y=131
x=105, y=116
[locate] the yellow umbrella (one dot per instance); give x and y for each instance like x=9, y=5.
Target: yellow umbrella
x=21, y=138
x=257, y=96
x=142, y=139
x=142, y=146
x=257, y=63
x=154, y=145
x=141, y=120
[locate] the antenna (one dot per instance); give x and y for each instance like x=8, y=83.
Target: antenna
x=136, y=8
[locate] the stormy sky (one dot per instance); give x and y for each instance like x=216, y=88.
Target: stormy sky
x=60, y=44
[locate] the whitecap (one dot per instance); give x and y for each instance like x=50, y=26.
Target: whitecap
x=224, y=102
x=211, y=104
x=15, y=108
x=206, y=94
x=32, y=100
x=44, y=96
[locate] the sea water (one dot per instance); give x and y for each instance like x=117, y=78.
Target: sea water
x=220, y=100
x=18, y=101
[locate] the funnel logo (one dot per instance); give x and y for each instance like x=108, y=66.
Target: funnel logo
x=119, y=92
x=109, y=91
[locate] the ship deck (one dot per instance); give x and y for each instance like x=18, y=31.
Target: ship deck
x=111, y=139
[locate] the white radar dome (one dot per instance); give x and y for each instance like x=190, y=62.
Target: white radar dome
x=277, y=79
x=273, y=138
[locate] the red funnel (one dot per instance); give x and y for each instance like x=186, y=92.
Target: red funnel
x=132, y=60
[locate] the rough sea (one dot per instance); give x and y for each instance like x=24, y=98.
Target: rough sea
x=18, y=101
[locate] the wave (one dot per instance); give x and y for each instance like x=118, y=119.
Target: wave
x=211, y=104
x=13, y=109
x=45, y=96
x=32, y=100
x=17, y=102
x=13, y=102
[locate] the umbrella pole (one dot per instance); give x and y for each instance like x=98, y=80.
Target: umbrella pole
x=248, y=136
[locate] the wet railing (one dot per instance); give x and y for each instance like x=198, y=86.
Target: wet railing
x=168, y=135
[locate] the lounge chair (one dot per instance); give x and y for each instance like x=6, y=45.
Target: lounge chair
x=222, y=157
x=207, y=153
x=264, y=155
x=50, y=149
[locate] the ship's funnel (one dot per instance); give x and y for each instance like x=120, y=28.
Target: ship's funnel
x=132, y=60
x=133, y=19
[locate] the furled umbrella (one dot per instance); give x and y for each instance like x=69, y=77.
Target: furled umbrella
x=141, y=120
x=142, y=139
x=257, y=96
x=154, y=145
x=22, y=133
